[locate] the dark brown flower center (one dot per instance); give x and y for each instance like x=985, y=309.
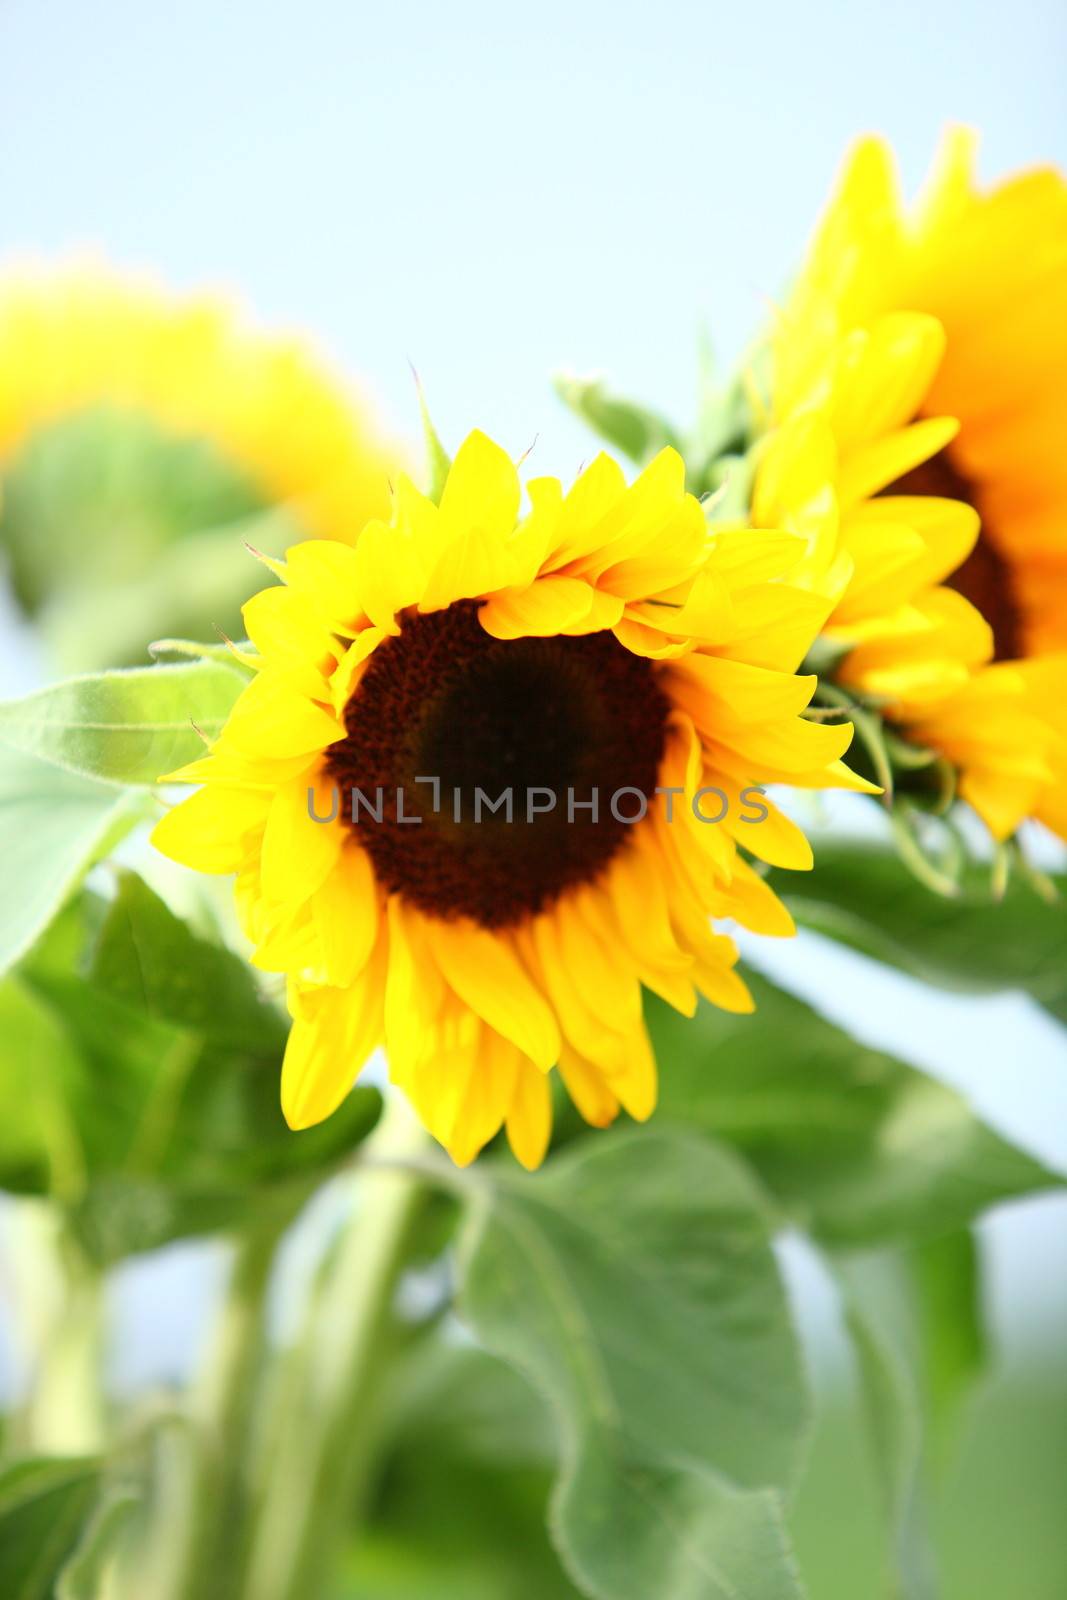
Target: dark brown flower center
x=544, y=721
x=985, y=578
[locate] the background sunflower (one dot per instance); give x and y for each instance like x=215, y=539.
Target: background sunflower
x=244, y=1363
x=132, y=421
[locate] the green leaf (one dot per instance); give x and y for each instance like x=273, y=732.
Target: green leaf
x=465, y=1473
x=438, y=460
x=192, y=648
x=53, y=826
x=41, y=1083
x=895, y=1423
x=946, y=1281
x=83, y=1577
x=165, y=1120
x=635, y=430
x=125, y=727
x=466, y=1469
x=119, y=530
x=633, y=1283
x=44, y=1503
x=973, y=944
x=857, y=1146
x=148, y=958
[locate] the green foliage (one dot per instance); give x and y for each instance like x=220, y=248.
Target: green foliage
x=857, y=1146
x=975, y=944
x=44, y=1503
x=953, y=1353
x=126, y=727
x=53, y=825
x=117, y=531
x=635, y=430
x=150, y=1103
x=634, y=1285
x=84, y=1575
x=438, y=460
x=459, y=1506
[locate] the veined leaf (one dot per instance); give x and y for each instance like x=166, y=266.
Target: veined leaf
x=125, y=727
x=53, y=826
x=856, y=1145
x=633, y=1283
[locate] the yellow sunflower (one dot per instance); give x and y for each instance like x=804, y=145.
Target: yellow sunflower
x=917, y=399
x=625, y=677
x=130, y=418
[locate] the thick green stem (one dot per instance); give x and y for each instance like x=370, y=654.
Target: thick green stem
x=322, y=1445
x=59, y=1297
x=223, y=1409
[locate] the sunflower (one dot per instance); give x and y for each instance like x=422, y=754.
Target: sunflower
x=919, y=414
x=130, y=418
x=625, y=677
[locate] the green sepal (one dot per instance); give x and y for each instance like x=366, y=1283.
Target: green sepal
x=637, y=431
x=438, y=460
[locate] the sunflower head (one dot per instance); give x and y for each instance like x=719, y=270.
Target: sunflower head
x=132, y=422
x=913, y=408
x=494, y=772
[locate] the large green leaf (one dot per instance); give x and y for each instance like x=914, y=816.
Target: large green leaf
x=633, y=1283
x=44, y=1502
x=127, y=727
x=973, y=943
x=53, y=825
x=856, y=1145
x=160, y=1082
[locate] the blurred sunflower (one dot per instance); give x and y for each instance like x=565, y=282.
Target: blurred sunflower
x=601, y=642
x=920, y=411
x=130, y=421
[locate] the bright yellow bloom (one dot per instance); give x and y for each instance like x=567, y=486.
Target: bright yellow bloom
x=599, y=640
x=917, y=385
x=83, y=336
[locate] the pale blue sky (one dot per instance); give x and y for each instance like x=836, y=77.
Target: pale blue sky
x=493, y=191
x=496, y=192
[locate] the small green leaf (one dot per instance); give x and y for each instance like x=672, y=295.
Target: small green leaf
x=632, y=1282
x=635, y=430
x=438, y=461
x=44, y=1504
x=53, y=826
x=856, y=1145
x=126, y=727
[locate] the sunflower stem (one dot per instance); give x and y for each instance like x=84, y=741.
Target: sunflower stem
x=320, y=1451
x=213, y=1504
x=60, y=1296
